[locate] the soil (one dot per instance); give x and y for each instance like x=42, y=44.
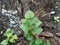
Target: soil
x=42, y=9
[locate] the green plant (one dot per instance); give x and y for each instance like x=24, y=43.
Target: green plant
x=56, y=18
x=31, y=26
x=10, y=37
x=47, y=42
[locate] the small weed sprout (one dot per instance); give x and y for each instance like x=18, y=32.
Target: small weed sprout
x=10, y=37
x=56, y=18
x=31, y=26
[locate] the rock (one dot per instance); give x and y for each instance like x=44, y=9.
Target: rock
x=52, y=12
x=58, y=34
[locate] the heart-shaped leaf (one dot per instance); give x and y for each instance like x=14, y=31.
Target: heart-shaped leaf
x=12, y=40
x=5, y=42
x=31, y=43
x=29, y=14
x=37, y=30
x=23, y=21
x=38, y=41
x=36, y=21
x=24, y=28
x=30, y=38
x=8, y=33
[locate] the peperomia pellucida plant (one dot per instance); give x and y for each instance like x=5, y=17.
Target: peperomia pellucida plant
x=56, y=18
x=31, y=26
x=11, y=37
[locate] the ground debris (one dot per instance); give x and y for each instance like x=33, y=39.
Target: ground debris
x=58, y=34
x=46, y=34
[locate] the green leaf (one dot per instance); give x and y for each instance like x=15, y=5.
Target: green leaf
x=23, y=21
x=31, y=43
x=44, y=43
x=12, y=40
x=8, y=33
x=48, y=42
x=14, y=36
x=29, y=14
x=38, y=41
x=28, y=23
x=37, y=30
x=30, y=38
x=57, y=20
x=24, y=28
x=36, y=21
x=56, y=17
x=5, y=42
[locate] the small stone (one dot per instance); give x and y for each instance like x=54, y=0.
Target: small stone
x=10, y=19
x=1, y=32
x=56, y=6
x=58, y=34
x=12, y=22
x=52, y=12
x=7, y=14
x=3, y=11
x=14, y=12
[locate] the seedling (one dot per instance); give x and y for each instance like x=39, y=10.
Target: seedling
x=47, y=42
x=31, y=26
x=31, y=23
x=10, y=37
x=56, y=18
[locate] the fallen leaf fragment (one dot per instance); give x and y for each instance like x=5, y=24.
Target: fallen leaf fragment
x=46, y=34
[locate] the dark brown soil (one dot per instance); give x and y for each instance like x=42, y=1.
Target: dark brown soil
x=4, y=24
x=41, y=8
